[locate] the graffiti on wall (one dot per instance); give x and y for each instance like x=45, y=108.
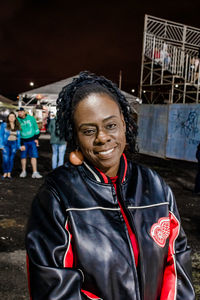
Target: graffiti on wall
x=186, y=123
x=169, y=131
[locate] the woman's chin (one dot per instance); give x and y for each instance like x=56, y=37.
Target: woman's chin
x=106, y=165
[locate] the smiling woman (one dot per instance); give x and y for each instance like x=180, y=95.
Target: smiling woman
x=100, y=130
x=103, y=227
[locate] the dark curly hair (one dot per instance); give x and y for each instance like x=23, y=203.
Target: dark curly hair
x=81, y=87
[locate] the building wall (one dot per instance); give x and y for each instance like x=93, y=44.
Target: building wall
x=171, y=131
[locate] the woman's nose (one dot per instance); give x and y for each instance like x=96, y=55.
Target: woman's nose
x=102, y=137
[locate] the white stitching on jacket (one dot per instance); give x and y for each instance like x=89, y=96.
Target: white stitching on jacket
x=94, y=174
x=115, y=209
x=147, y=206
x=92, y=208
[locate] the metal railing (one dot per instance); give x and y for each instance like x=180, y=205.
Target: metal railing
x=170, y=62
x=173, y=59
x=175, y=33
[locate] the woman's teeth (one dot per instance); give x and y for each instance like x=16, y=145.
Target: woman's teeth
x=106, y=152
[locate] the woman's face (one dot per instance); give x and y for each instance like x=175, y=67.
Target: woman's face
x=100, y=130
x=11, y=118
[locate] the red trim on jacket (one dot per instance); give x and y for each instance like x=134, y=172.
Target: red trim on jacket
x=105, y=178
x=89, y=295
x=125, y=168
x=69, y=261
x=169, y=286
x=132, y=236
x=69, y=257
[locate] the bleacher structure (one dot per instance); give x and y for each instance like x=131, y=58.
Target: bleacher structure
x=170, y=62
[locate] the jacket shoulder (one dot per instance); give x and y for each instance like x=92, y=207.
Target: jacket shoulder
x=64, y=176
x=150, y=182
x=145, y=172
x=56, y=180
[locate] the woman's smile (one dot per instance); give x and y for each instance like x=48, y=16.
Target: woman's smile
x=106, y=154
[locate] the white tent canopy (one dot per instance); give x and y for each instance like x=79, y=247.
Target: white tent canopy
x=48, y=94
x=7, y=103
x=52, y=88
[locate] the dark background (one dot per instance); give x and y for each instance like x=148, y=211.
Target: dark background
x=46, y=40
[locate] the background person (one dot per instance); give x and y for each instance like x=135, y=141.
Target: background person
x=29, y=141
x=9, y=143
x=58, y=145
x=165, y=57
x=101, y=226
x=156, y=55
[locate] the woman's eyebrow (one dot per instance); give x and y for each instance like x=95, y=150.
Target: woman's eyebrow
x=94, y=124
x=108, y=118
x=87, y=124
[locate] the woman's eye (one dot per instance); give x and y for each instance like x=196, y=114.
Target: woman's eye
x=111, y=126
x=89, y=131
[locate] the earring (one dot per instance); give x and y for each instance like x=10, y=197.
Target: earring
x=76, y=158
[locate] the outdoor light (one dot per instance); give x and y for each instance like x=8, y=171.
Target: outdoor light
x=176, y=85
x=133, y=90
x=144, y=91
x=138, y=100
x=31, y=83
x=39, y=97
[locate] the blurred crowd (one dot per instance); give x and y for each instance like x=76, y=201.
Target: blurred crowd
x=20, y=132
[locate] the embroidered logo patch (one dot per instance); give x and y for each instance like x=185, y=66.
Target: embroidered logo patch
x=160, y=231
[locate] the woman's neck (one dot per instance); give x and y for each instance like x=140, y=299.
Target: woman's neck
x=12, y=125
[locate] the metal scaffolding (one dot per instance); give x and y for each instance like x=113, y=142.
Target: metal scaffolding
x=170, y=62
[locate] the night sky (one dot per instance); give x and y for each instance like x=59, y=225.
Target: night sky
x=46, y=41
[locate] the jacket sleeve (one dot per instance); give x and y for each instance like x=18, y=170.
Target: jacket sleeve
x=47, y=244
x=177, y=281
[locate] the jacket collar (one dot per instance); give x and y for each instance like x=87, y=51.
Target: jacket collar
x=99, y=176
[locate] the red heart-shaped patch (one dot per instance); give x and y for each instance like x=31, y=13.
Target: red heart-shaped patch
x=160, y=231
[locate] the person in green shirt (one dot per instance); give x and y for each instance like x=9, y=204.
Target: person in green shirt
x=29, y=141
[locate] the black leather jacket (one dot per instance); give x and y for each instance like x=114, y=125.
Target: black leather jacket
x=77, y=239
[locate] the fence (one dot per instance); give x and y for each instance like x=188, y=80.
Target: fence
x=170, y=131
